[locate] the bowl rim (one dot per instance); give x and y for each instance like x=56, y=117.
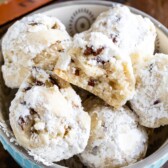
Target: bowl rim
x=150, y=160
x=158, y=24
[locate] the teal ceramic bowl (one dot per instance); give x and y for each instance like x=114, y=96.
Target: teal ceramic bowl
x=73, y=15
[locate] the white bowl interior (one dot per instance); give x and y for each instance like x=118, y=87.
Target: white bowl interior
x=78, y=17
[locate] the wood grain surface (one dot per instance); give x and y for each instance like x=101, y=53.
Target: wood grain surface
x=156, y=8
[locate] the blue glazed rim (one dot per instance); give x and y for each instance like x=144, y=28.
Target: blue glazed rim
x=155, y=160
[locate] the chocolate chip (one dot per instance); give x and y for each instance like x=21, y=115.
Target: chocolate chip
x=23, y=103
x=72, y=61
x=32, y=111
x=92, y=82
x=60, y=50
x=99, y=60
x=53, y=81
x=156, y=102
x=21, y=122
x=150, y=67
x=114, y=38
x=35, y=68
x=33, y=131
x=39, y=83
x=98, y=51
x=28, y=88
x=89, y=51
x=77, y=72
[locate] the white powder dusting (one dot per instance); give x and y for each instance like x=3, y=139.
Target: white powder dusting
x=132, y=33
x=116, y=138
x=94, y=56
x=47, y=120
x=27, y=38
x=150, y=100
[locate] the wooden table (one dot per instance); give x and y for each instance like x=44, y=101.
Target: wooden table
x=157, y=9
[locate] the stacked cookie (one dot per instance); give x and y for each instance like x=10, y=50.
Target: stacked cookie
x=109, y=65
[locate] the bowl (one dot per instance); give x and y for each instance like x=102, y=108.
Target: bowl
x=77, y=17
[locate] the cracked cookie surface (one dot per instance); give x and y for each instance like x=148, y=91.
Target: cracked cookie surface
x=36, y=40
x=95, y=64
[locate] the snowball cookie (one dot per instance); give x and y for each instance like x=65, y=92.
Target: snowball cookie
x=26, y=44
x=95, y=64
x=132, y=33
x=116, y=139
x=47, y=118
x=151, y=99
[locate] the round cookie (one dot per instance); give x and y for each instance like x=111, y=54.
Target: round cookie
x=35, y=40
x=132, y=33
x=151, y=97
x=47, y=118
x=116, y=139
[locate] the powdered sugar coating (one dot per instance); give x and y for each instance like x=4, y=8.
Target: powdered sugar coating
x=116, y=139
x=95, y=64
x=47, y=118
x=27, y=38
x=132, y=33
x=150, y=100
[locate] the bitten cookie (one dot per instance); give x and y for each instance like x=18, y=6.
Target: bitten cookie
x=132, y=33
x=95, y=64
x=47, y=118
x=116, y=139
x=35, y=40
x=150, y=100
